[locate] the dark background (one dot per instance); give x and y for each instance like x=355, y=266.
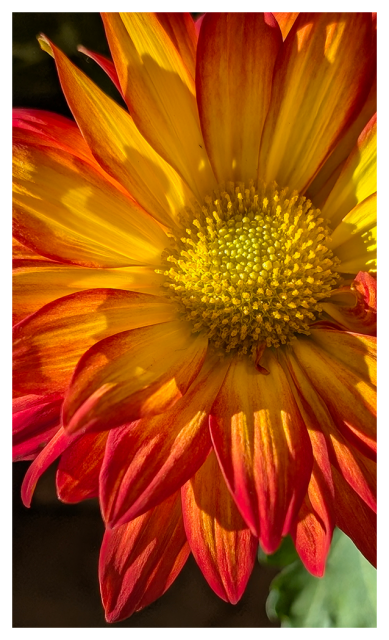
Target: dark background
x=56, y=546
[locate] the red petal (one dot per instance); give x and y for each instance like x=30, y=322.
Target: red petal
x=141, y=559
x=355, y=307
x=147, y=461
x=312, y=532
x=56, y=446
x=355, y=518
x=106, y=64
x=263, y=447
x=79, y=468
x=220, y=541
x=35, y=420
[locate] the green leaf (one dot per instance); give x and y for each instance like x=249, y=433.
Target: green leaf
x=284, y=555
x=345, y=597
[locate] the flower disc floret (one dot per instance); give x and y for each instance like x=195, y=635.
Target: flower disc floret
x=252, y=267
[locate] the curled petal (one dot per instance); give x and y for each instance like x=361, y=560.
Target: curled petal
x=262, y=446
x=355, y=307
x=147, y=461
x=223, y=546
x=133, y=374
x=106, y=64
x=140, y=560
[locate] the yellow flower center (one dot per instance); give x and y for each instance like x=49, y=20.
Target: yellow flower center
x=252, y=267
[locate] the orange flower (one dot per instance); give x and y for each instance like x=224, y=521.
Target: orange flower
x=193, y=294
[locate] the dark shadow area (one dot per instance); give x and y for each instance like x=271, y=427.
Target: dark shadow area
x=55, y=583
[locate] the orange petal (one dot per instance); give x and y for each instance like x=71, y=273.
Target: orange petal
x=285, y=20
x=321, y=80
x=118, y=146
x=355, y=518
x=64, y=209
x=180, y=28
x=38, y=282
x=21, y=252
x=235, y=60
x=49, y=343
x=140, y=560
x=35, y=420
x=262, y=446
x=133, y=374
x=355, y=307
x=223, y=546
x=79, y=467
x=147, y=461
x=358, y=178
x=342, y=367
x=160, y=94
x=322, y=424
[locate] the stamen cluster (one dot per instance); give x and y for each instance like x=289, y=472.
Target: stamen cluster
x=252, y=267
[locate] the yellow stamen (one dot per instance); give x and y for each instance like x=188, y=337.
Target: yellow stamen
x=254, y=251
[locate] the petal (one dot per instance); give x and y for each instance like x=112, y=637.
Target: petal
x=147, y=461
x=285, y=20
x=79, y=468
x=262, y=446
x=355, y=518
x=47, y=456
x=106, y=64
x=133, y=374
x=223, y=546
x=49, y=343
x=140, y=560
x=64, y=209
x=21, y=252
x=355, y=307
x=321, y=186
x=49, y=129
x=312, y=532
x=160, y=94
x=38, y=282
x=354, y=240
x=35, y=420
x=321, y=80
x=180, y=28
x=356, y=469
x=235, y=58
x=342, y=367
x=358, y=178
x=118, y=146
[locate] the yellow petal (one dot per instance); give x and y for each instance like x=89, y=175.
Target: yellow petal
x=358, y=178
x=38, y=282
x=354, y=240
x=160, y=94
x=65, y=210
x=118, y=146
x=321, y=80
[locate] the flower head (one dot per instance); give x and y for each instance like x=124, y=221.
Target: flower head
x=195, y=295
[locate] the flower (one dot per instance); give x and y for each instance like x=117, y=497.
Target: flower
x=195, y=296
